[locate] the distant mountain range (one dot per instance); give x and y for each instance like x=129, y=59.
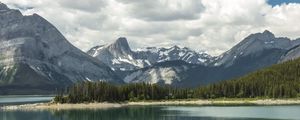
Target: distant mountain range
x=119, y=55
x=189, y=68
x=35, y=58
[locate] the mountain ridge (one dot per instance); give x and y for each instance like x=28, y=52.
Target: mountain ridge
x=254, y=43
x=32, y=45
x=256, y=51
x=123, y=58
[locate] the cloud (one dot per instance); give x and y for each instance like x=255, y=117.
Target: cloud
x=214, y=26
x=164, y=10
x=284, y=19
x=84, y=5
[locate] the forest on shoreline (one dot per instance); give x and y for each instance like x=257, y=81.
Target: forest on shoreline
x=278, y=81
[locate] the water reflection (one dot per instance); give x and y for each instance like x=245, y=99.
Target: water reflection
x=23, y=99
x=125, y=113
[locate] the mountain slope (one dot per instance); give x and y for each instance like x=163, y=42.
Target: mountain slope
x=278, y=81
x=203, y=75
x=254, y=43
x=33, y=53
x=292, y=54
x=161, y=73
x=119, y=55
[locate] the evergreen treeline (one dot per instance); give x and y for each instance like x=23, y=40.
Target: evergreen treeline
x=277, y=81
x=104, y=92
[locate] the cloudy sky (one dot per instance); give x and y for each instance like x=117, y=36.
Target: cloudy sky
x=210, y=25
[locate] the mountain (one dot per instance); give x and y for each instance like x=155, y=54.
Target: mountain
x=255, y=44
x=168, y=72
x=36, y=58
x=278, y=81
x=175, y=53
x=292, y=54
x=119, y=55
x=254, y=52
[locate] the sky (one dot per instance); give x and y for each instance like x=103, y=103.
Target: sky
x=210, y=25
x=279, y=2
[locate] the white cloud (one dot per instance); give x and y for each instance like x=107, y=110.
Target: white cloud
x=85, y=5
x=212, y=25
x=164, y=10
x=284, y=20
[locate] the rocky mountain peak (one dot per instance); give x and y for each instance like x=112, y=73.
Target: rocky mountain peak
x=3, y=6
x=122, y=41
x=120, y=45
x=176, y=47
x=255, y=44
x=7, y=15
x=265, y=36
x=268, y=34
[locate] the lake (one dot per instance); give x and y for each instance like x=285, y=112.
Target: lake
x=23, y=99
x=188, y=112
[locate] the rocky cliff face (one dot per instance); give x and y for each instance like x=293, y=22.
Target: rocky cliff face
x=291, y=54
x=32, y=46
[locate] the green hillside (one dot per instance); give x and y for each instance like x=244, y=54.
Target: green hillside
x=278, y=81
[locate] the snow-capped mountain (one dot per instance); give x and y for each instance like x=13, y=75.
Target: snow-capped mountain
x=119, y=55
x=175, y=53
x=254, y=52
x=34, y=54
x=254, y=44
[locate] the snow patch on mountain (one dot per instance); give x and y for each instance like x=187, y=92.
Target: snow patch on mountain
x=165, y=75
x=161, y=73
x=119, y=55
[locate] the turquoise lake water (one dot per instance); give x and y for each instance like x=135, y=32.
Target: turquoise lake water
x=21, y=99
x=153, y=112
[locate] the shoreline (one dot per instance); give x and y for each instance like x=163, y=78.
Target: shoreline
x=200, y=102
